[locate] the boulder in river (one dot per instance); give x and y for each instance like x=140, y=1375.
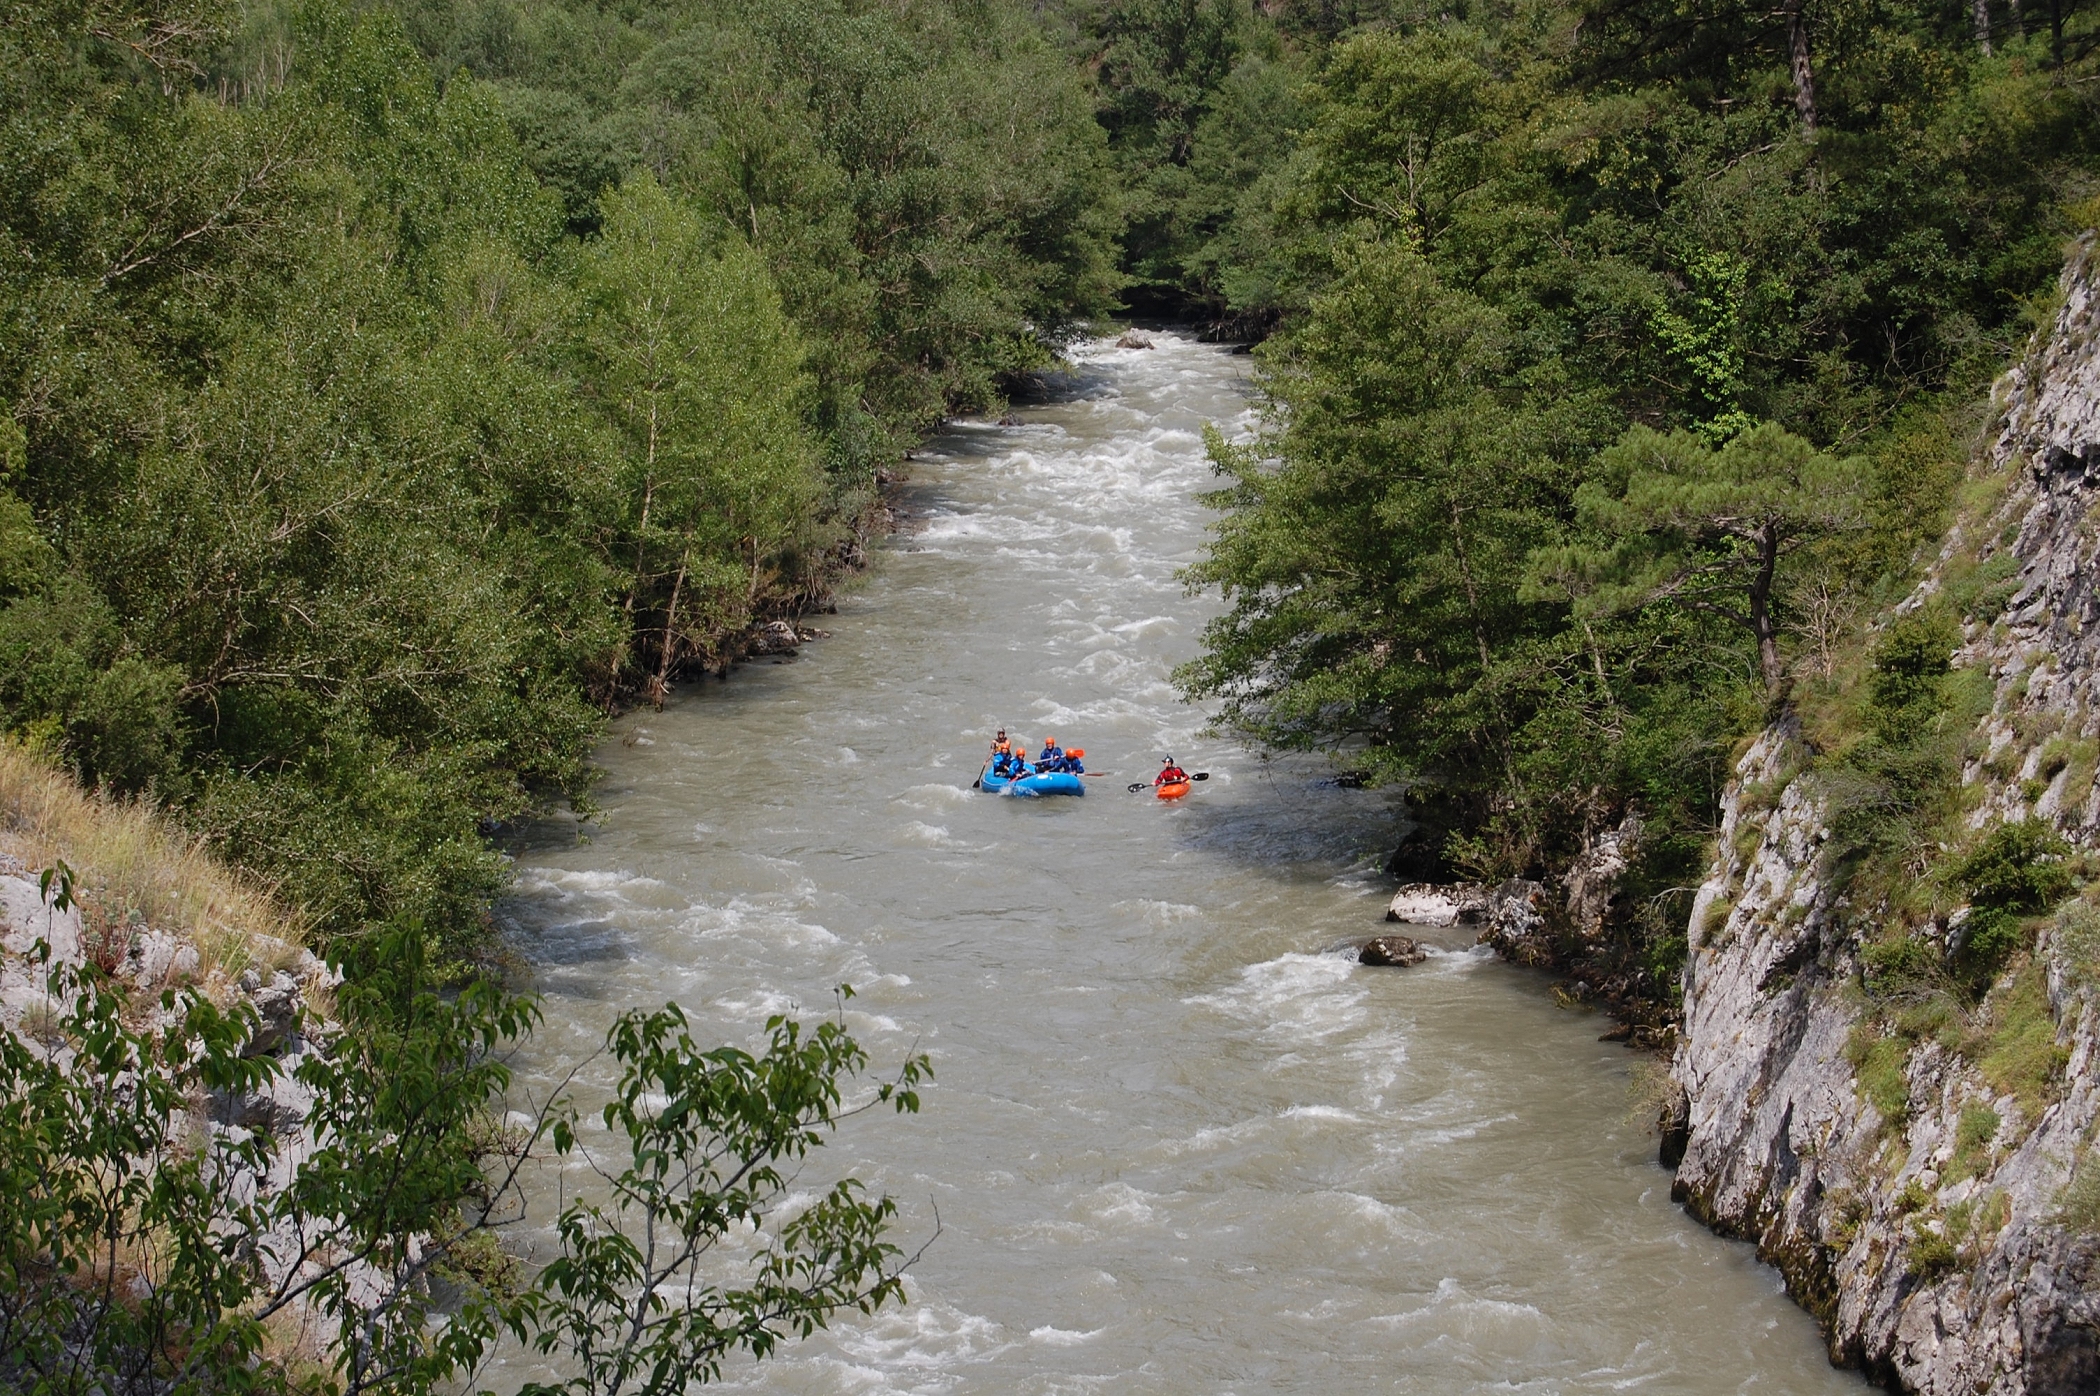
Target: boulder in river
x=1398, y=951
x=774, y=637
x=1134, y=339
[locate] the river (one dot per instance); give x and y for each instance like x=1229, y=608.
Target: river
x=1174, y=1147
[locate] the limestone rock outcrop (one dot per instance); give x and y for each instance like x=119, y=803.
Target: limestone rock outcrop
x=1933, y=1242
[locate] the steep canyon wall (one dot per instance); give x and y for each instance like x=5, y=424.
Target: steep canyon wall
x=1930, y=1231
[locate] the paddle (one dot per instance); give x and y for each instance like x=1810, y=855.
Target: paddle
x=978, y=784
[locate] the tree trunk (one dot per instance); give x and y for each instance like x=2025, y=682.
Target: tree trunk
x=2056, y=31
x=1804, y=75
x=661, y=684
x=1981, y=10
x=2019, y=21
x=1767, y=539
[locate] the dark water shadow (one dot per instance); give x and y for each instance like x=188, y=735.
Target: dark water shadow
x=1075, y=382
x=1288, y=817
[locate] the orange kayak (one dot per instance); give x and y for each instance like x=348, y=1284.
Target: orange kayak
x=1172, y=790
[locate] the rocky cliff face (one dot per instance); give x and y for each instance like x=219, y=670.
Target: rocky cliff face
x=1931, y=1237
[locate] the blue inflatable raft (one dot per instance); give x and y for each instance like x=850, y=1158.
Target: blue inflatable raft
x=1034, y=783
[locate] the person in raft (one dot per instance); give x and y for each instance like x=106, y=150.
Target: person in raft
x=1009, y=763
x=1056, y=758
x=1169, y=773
x=1001, y=746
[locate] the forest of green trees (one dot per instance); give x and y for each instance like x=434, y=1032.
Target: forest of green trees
x=395, y=392
x=396, y=388
x=1627, y=360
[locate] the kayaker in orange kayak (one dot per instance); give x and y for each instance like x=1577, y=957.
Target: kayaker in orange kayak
x=1170, y=774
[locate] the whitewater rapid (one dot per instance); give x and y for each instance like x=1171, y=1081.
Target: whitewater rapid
x=1173, y=1146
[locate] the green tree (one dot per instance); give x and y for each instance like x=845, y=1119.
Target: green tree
x=701, y=375
x=1679, y=522
x=1375, y=538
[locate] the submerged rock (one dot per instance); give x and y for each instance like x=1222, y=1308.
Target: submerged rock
x=1391, y=950
x=1134, y=339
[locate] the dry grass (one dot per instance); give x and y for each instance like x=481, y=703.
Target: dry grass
x=132, y=868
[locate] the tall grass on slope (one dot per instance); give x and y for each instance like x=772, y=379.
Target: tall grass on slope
x=134, y=870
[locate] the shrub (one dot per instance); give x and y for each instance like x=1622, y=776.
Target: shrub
x=2017, y=1049
x=139, y=1252
x=1909, y=665
x=1931, y=1254
x=2078, y=1208
x=1898, y=962
x=1879, y=1066
x=1973, y=1134
x=2017, y=869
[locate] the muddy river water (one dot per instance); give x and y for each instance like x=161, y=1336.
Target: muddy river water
x=1174, y=1147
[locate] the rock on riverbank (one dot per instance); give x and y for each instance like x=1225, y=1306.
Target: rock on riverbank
x=1439, y=904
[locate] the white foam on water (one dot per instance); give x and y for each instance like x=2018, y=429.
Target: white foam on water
x=933, y=796
x=1159, y=913
x=1247, y=1171
x=929, y=1333
x=1297, y=997
x=1121, y=1205
x=1358, y=1207
x=583, y=882
x=1420, y=1135
x=1485, y=1328
x=746, y=918
x=756, y=1006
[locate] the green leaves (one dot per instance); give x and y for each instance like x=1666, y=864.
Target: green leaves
x=342, y=491
x=715, y=1140
x=1677, y=521
x=700, y=375
x=149, y=1238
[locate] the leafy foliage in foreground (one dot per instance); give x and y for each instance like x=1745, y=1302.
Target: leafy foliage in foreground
x=149, y=1242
